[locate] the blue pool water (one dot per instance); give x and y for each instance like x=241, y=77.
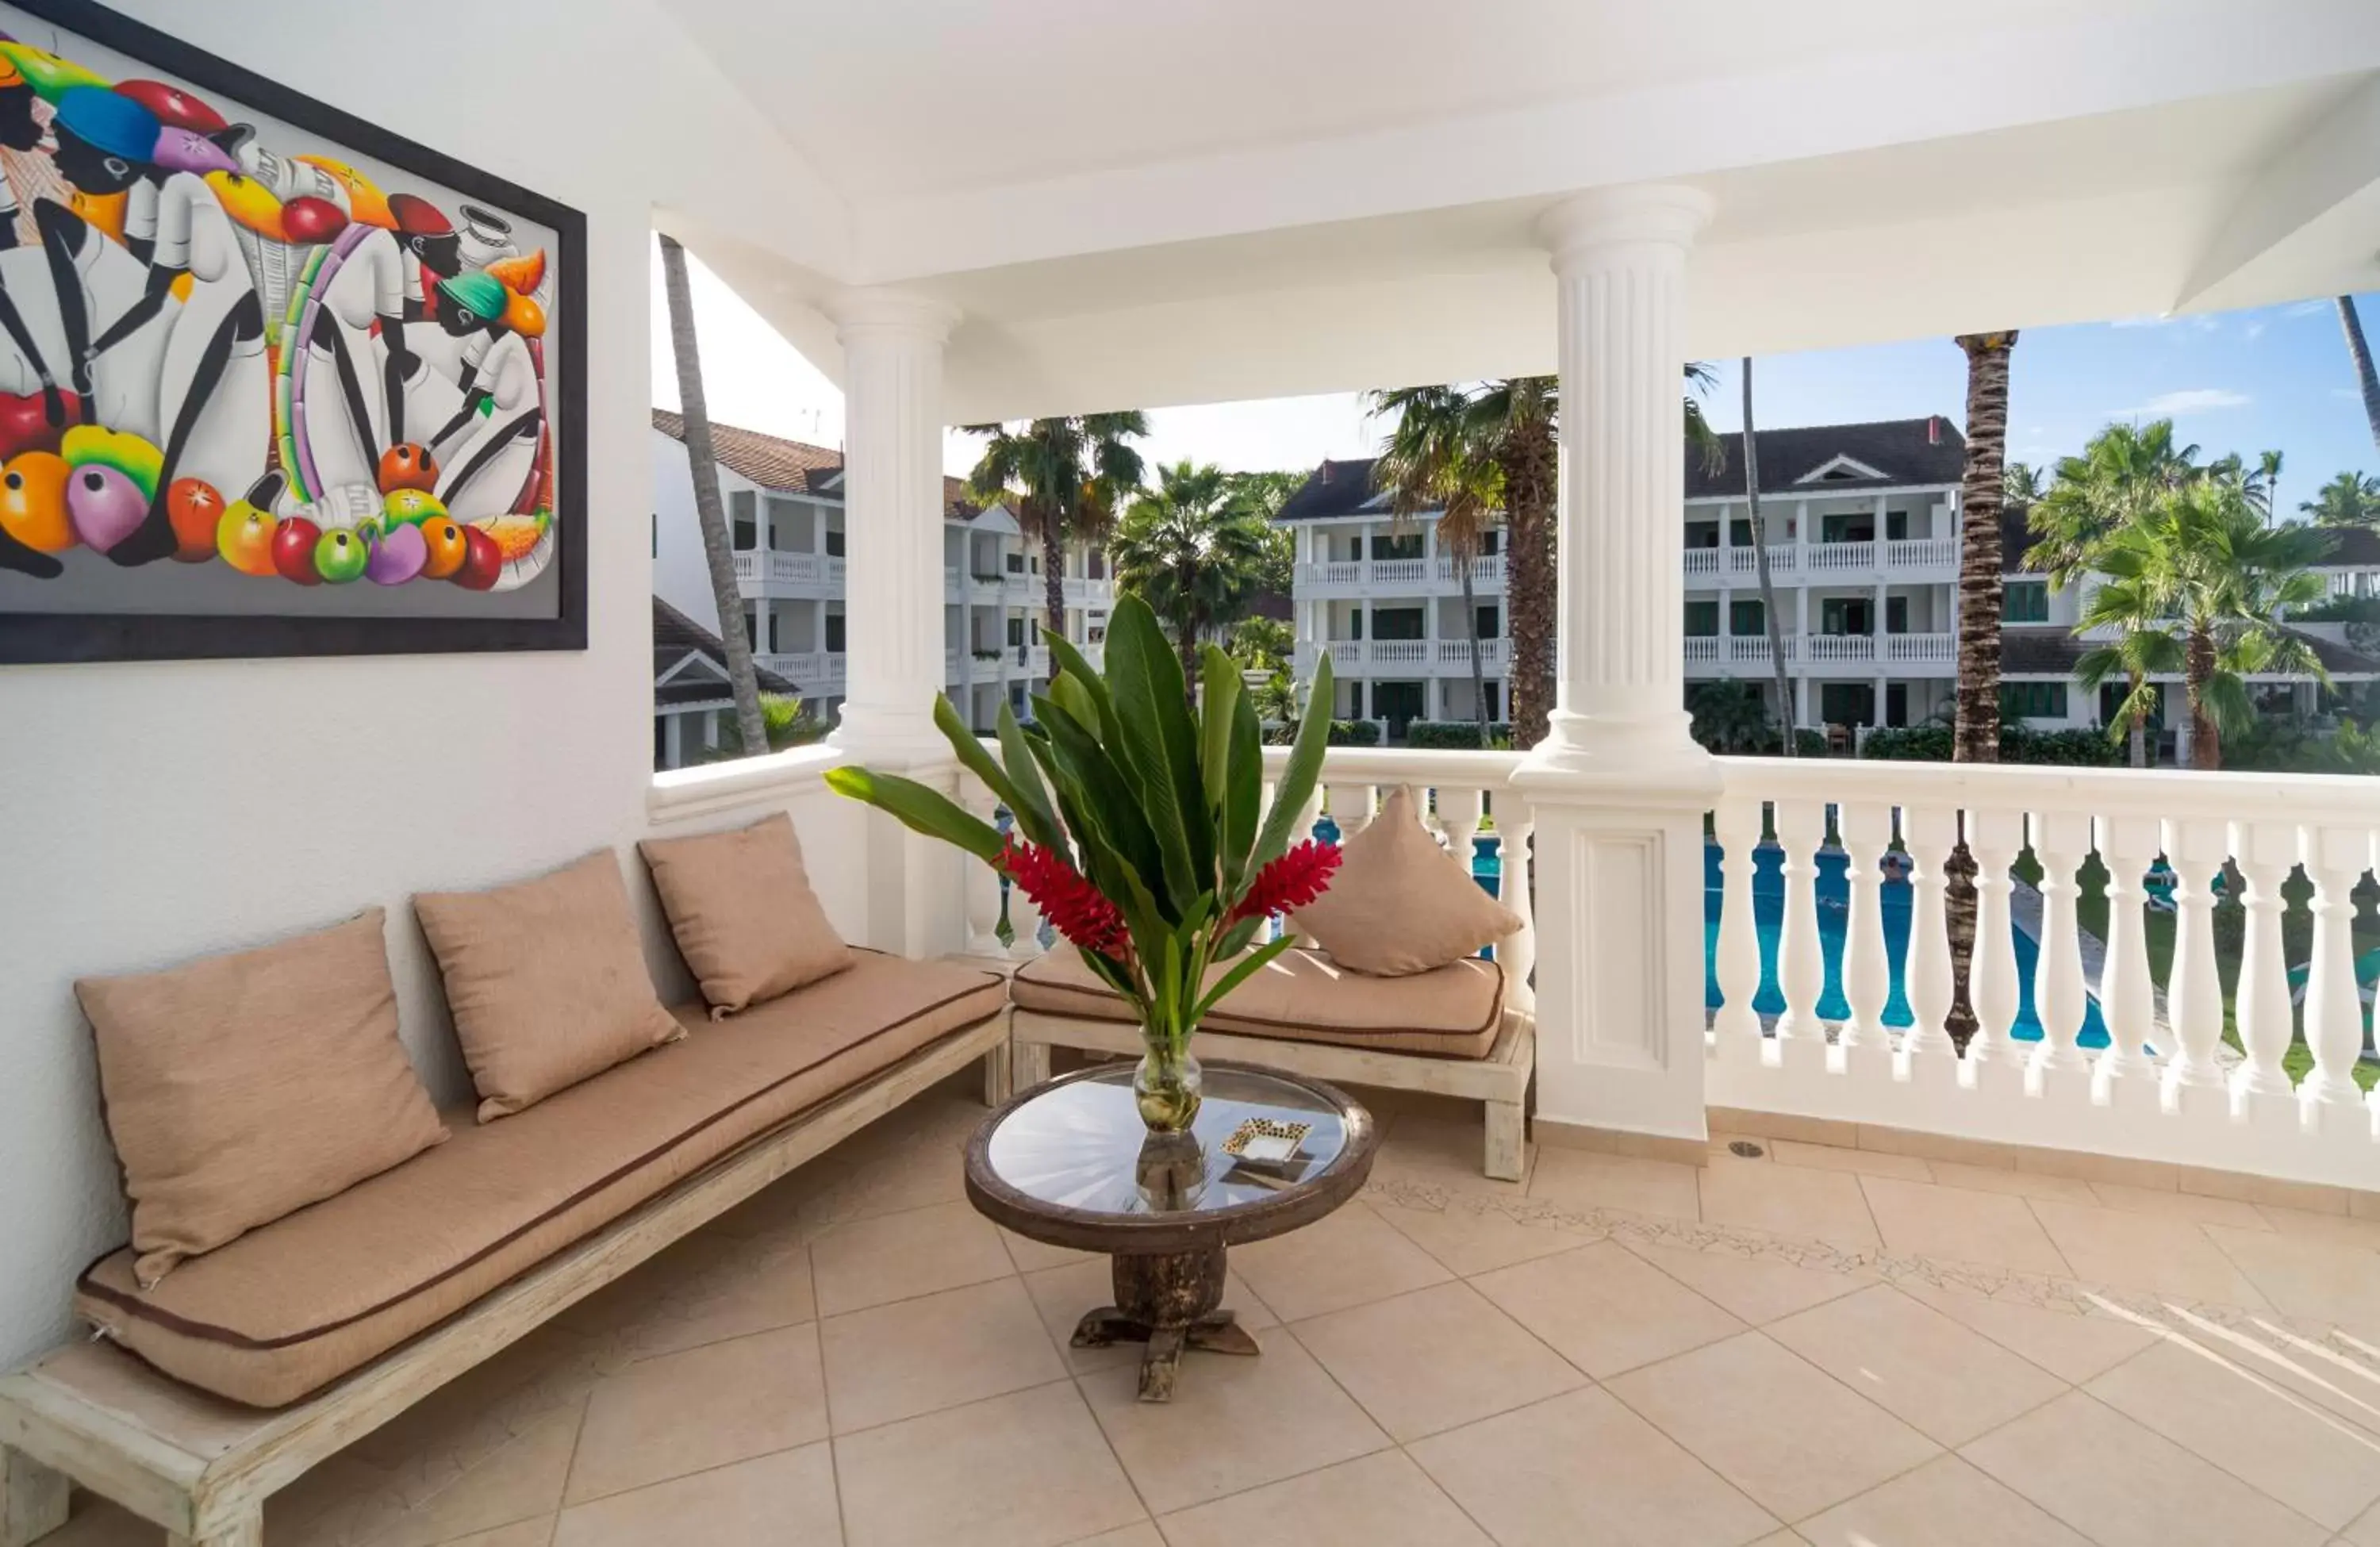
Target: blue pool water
x=1834, y=917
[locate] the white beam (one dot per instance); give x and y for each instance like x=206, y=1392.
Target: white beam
x=2337, y=161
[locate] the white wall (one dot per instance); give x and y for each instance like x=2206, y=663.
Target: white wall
x=156, y=811
x=681, y=573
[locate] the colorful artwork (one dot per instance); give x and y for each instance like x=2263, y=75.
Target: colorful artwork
x=272, y=380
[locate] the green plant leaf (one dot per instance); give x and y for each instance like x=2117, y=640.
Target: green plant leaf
x=1242, y=970
x=920, y=808
x=1154, y=732
x=1236, y=938
x=982, y=764
x=1024, y=777
x=1219, y=696
x=1243, y=800
x=1305, y=766
x=1108, y=799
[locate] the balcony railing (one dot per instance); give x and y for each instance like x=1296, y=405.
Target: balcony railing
x=1828, y=558
x=2061, y=1061
x=810, y=570
x=1937, y=649
x=1486, y=570
x=813, y=671
x=1457, y=652
x=1358, y=577
x=1839, y=647
x=1922, y=552
x=1400, y=652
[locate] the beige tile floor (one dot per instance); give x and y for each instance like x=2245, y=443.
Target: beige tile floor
x=1815, y=1346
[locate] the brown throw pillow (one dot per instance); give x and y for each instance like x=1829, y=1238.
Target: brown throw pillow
x=745, y=917
x=1399, y=904
x=242, y=1088
x=546, y=980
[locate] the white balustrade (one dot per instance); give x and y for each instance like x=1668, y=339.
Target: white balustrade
x=2162, y=1087
x=1834, y=559
x=1922, y=552
x=1702, y=561
x=1926, y=649
x=982, y=881
x=1457, y=654
x=1752, y=649
x=1839, y=647
x=1782, y=560
x=1703, y=652
x=1401, y=652
x=1400, y=572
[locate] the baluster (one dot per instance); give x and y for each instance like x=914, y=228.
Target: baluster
x=1736, y=824
x=2335, y=858
x=1300, y=831
x=1929, y=832
x=2194, y=851
x=2261, y=1091
x=1864, y=827
x=1458, y=817
x=2128, y=1071
x=1801, y=970
x=1993, y=837
x=982, y=881
x=1023, y=925
x=1350, y=808
x=1517, y=951
x=2059, y=841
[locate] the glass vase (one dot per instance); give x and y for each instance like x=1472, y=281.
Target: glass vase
x=1165, y=1086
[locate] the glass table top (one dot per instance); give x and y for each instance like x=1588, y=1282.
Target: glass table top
x=1082, y=1146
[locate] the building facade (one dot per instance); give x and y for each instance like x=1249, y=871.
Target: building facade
x=1861, y=523
x=1862, y=527
x=784, y=507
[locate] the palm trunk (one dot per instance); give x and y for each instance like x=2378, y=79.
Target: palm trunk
x=1185, y=643
x=2366, y=379
x=2206, y=736
x=1470, y=632
x=2137, y=742
x=1776, y=628
x=717, y=552
x=1976, y=738
x=1054, y=577
x=1528, y=462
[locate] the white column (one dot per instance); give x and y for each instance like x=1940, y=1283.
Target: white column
x=893, y=617
x=892, y=524
x=1618, y=786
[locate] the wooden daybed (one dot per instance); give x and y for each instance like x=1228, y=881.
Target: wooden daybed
x=429, y=1270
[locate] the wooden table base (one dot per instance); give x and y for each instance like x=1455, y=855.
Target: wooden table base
x=1170, y=1302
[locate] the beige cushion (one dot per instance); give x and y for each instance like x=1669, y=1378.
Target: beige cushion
x=242, y=1088
x=288, y=1309
x=546, y=980
x=1303, y=996
x=745, y=917
x=1399, y=904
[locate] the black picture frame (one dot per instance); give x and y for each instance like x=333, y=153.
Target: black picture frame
x=53, y=638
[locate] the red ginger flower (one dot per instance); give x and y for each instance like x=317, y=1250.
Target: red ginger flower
x=1075, y=908
x=1299, y=876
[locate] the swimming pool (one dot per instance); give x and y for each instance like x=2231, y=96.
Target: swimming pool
x=1834, y=917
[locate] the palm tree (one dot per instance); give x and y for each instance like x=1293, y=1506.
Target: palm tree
x=1515, y=424
x=1191, y=552
x=1430, y=463
x=2123, y=471
x=2349, y=500
x=2366, y=380
x=2144, y=647
x=1760, y=567
x=1977, y=735
x=1065, y=479
x=1730, y=716
x=2204, y=569
x=750, y=723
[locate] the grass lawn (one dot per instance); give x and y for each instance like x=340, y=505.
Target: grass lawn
x=2091, y=912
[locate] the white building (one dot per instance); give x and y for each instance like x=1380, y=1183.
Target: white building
x=1860, y=522
x=694, y=705
x=784, y=503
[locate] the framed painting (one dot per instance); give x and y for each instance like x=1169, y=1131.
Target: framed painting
x=273, y=380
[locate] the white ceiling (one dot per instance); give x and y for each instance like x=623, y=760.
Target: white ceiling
x=1145, y=205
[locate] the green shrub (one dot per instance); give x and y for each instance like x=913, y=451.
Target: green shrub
x=1931, y=742
x=1354, y=733
x=1454, y=736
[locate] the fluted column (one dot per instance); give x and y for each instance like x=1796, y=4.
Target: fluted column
x=1618, y=786
x=1619, y=263
x=892, y=524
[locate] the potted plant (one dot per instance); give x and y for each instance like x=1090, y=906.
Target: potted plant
x=1137, y=831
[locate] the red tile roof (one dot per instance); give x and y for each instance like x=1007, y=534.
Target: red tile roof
x=794, y=466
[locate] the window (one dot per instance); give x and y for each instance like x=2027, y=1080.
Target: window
x=835, y=633
x=1896, y=618
x=1491, y=542
x=1702, y=534
x=1490, y=622
x=1702, y=620
x=743, y=509
x=835, y=543
x=657, y=534
x=1397, y=623
x=1016, y=564
x=1847, y=703
x=1896, y=529
x=2032, y=701
x=1850, y=527
x=1016, y=630
x=1403, y=545
x=1739, y=532
x=751, y=626
x=1495, y=699
x=1744, y=616
x=1845, y=615
x=2026, y=602
x=1896, y=703
x=1355, y=624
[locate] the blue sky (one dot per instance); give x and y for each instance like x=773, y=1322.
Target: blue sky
x=2276, y=377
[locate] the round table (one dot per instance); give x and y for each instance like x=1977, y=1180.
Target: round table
x=1070, y=1163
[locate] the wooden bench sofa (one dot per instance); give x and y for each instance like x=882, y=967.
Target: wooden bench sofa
x=425, y=1272
x=1456, y=1032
